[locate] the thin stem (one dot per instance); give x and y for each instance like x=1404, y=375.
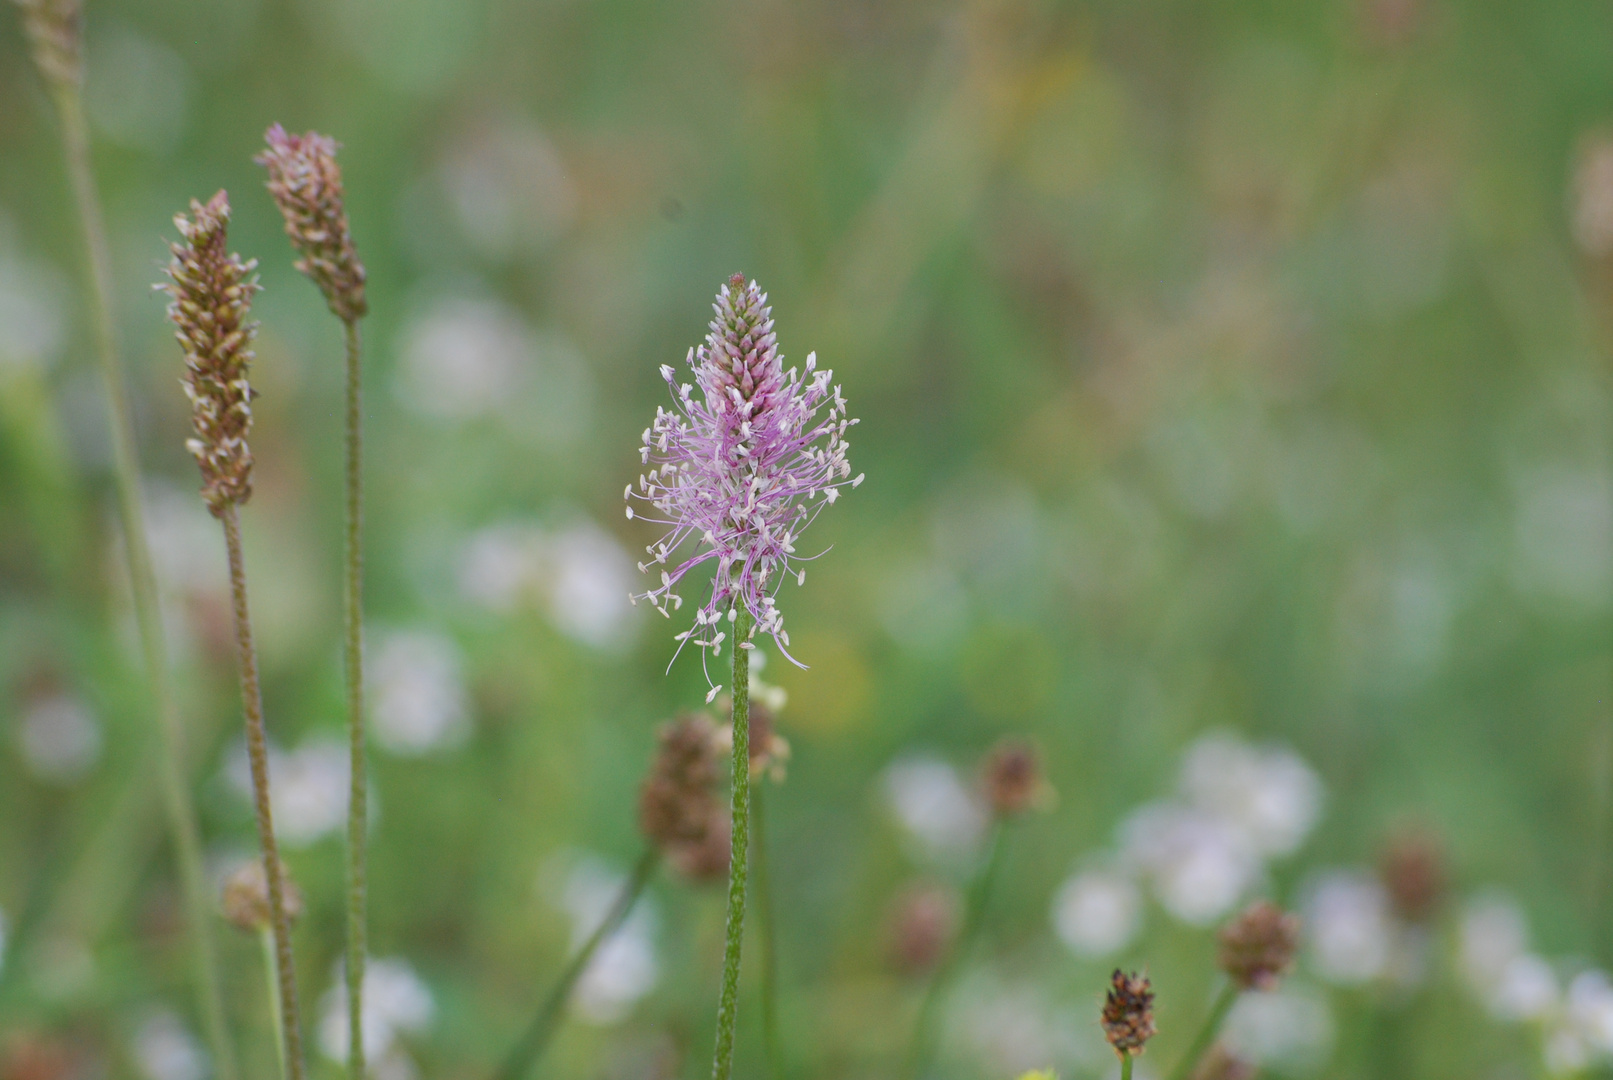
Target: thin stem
x=764, y=913
x=258, y=754
x=1125, y=1067
x=918, y=1055
x=722, y=1065
x=535, y=1040
x=266, y=940
x=357, y=800
x=143, y=584
x=1206, y=1036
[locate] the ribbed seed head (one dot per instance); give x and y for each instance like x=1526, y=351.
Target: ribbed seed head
x=306, y=184
x=246, y=897
x=1257, y=948
x=211, y=292
x=1128, y=1013
x=55, y=33
x=1013, y=778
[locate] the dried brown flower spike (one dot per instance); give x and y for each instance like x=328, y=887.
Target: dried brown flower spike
x=1128, y=1013
x=246, y=897
x=306, y=184
x=1412, y=869
x=1013, y=779
x=678, y=809
x=212, y=297
x=1257, y=947
x=55, y=30
x=923, y=922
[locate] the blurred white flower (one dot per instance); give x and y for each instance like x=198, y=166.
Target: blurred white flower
x=396, y=1002
x=417, y=697
x=32, y=313
x=1097, y=912
x=1565, y=1053
x=1198, y=863
x=1526, y=990
x=1349, y=926
x=624, y=968
x=1589, y=1006
x=1561, y=532
x=1269, y=794
x=579, y=572
x=1011, y=1027
x=165, y=1050
x=137, y=89
x=308, y=788
x=1492, y=934
x=186, y=549
x=1292, y=1026
x=935, y=807
x=59, y=738
x=508, y=187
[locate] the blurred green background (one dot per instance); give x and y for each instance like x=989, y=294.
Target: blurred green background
x=1232, y=368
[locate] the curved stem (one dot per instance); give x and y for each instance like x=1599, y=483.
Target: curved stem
x=918, y=1055
x=764, y=913
x=353, y=653
x=143, y=583
x=258, y=754
x=1206, y=1036
x=728, y=1003
x=542, y=1028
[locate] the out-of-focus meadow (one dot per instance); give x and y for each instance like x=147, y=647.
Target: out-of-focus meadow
x=1233, y=384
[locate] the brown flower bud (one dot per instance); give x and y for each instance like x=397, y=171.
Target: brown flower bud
x=923, y=920
x=55, y=31
x=212, y=298
x=306, y=184
x=1013, y=779
x=1257, y=947
x=1412, y=869
x=1221, y=1064
x=1128, y=1013
x=704, y=858
x=675, y=800
x=246, y=897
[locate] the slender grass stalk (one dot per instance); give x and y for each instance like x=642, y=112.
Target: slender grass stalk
x=266, y=940
x=535, y=1040
x=764, y=919
x=1206, y=1036
x=357, y=801
x=258, y=755
x=918, y=1055
x=143, y=583
x=739, y=847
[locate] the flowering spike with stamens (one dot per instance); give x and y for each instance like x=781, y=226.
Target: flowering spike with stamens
x=306, y=184
x=212, y=296
x=744, y=463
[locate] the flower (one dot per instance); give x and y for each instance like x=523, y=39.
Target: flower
x=212, y=296
x=1097, y=912
x=742, y=470
x=1257, y=948
x=396, y=1002
x=935, y=807
x=922, y=922
x=1013, y=779
x=418, y=702
x=678, y=809
x=245, y=896
x=1351, y=929
x=165, y=1050
x=59, y=737
x=306, y=184
x=1128, y=1013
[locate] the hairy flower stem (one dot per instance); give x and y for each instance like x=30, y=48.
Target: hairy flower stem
x=722, y=1065
x=1206, y=1036
x=764, y=918
x=143, y=585
x=357, y=808
x=258, y=754
x=918, y=1056
x=535, y=1040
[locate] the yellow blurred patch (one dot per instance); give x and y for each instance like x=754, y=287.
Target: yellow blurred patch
x=831, y=697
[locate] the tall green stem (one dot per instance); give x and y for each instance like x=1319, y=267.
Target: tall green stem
x=728, y=1004
x=270, y=970
x=258, y=754
x=1206, y=1036
x=764, y=913
x=918, y=1056
x=357, y=811
x=1125, y=1067
x=143, y=584
x=535, y=1040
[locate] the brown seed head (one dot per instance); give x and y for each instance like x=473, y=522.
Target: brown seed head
x=678, y=808
x=1013, y=778
x=706, y=857
x=769, y=751
x=56, y=32
x=1412, y=868
x=923, y=921
x=1257, y=948
x=1128, y=1013
x=1221, y=1064
x=246, y=897
x=212, y=299
x=306, y=184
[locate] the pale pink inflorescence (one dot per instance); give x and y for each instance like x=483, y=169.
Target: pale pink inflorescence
x=306, y=184
x=741, y=468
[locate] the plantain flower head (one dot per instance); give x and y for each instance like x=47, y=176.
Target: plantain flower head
x=306, y=184
x=211, y=291
x=744, y=462
x=55, y=31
